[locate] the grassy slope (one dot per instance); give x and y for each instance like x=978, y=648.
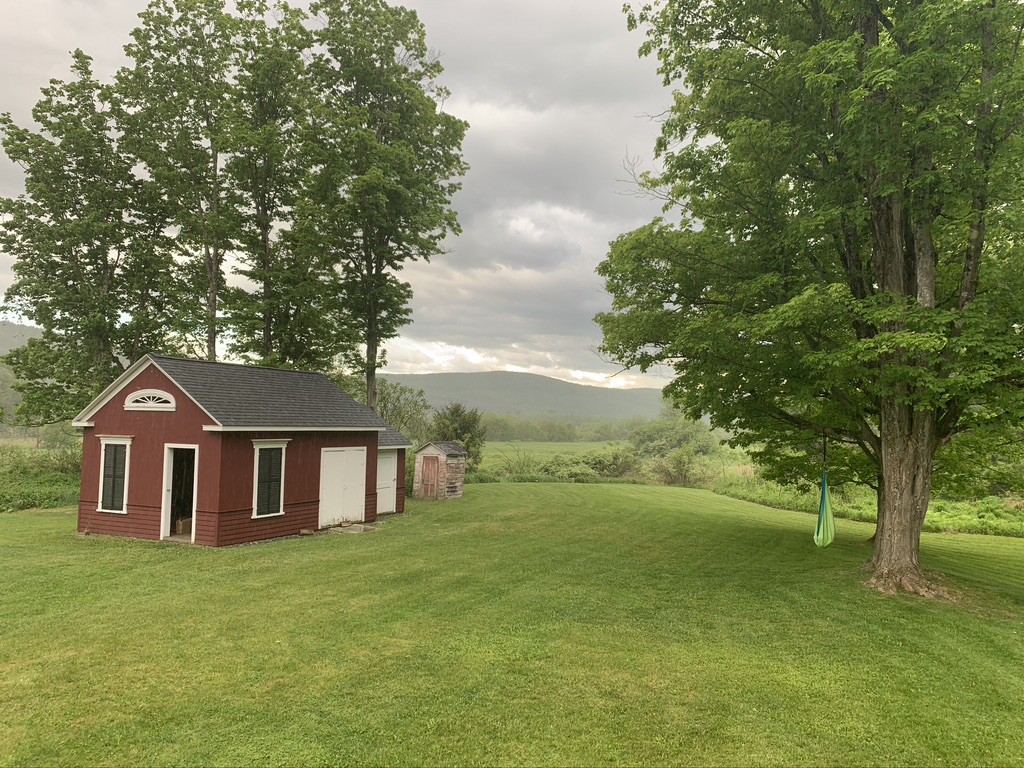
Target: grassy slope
x=538, y=624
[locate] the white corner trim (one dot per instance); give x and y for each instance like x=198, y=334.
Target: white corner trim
x=259, y=445
x=126, y=441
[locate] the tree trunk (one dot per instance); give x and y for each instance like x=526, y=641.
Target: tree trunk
x=212, y=292
x=908, y=453
x=372, y=345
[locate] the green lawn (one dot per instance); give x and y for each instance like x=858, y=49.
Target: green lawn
x=526, y=624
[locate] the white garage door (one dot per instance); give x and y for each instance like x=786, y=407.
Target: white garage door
x=342, y=485
x=387, y=481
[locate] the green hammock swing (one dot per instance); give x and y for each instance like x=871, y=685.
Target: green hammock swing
x=826, y=529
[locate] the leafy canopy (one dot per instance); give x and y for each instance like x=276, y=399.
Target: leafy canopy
x=848, y=181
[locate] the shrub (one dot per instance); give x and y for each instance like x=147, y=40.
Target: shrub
x=569, y=469
x=683, y=466
x=39, y=478
x=615, y=462
x=516, y=461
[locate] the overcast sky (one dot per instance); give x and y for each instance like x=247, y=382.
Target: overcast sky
x=556, y=99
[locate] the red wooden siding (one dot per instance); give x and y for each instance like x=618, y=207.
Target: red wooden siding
x=301, y=482
x=149, y=430
x=225, y=471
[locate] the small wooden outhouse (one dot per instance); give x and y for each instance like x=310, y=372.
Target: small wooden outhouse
x=440, y=471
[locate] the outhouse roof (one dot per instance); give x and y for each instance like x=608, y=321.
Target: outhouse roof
x=448, y=448
x=241, y=397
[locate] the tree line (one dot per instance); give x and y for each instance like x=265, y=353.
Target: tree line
x=251, y=182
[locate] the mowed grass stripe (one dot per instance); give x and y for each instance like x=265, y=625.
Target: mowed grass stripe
x=525, y=624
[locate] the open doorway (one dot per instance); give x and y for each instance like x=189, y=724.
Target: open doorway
x=179, y=508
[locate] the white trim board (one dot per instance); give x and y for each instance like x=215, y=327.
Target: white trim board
x=165, y=504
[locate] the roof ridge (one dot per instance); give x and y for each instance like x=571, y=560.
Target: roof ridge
x=238, y=365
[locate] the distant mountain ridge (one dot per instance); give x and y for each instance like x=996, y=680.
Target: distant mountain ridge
x=497, y=392
x=529, y=394
x=13, y=335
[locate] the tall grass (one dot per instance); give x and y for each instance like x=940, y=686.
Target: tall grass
x=33, y=477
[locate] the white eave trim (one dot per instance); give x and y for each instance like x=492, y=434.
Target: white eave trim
x=394, y=447
x=221, y=428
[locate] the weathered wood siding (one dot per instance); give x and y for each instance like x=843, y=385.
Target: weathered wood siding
x=400, y=491
x=451, y=474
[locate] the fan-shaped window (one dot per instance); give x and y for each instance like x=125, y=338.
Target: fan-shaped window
x=149, y=400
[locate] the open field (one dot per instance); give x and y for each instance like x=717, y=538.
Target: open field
x=729, y=472
x=526, y=624
x=495, y=451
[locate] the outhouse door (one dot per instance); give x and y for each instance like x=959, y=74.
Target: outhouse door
x=342, y=485
x=430, y=472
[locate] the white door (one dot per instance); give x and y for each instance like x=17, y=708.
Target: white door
x=387, y=481
x=342, y=485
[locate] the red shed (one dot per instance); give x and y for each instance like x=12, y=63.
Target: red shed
x=222, y=454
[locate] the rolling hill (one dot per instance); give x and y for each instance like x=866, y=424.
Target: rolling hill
x=528, y=394
x=13, y=335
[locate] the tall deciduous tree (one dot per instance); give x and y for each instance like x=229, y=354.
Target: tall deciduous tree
x=389, y=160
x=92, y=264
x=464, y=425
x=179, y=98
x=849, y=177
x=290, y=310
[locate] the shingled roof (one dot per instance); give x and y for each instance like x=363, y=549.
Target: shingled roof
x=240, y=396
x=392, y=438
x=448, y=448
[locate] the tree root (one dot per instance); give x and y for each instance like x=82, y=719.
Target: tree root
x=910, y=582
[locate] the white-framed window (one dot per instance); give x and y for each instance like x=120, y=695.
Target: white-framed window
x=268, y=478
x=115, y=462
x=149, y=400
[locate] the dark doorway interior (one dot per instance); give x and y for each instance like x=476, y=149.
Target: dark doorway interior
x=183, y=468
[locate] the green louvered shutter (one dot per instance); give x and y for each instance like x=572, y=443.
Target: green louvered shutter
x=113, y=477
x=268, y=482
